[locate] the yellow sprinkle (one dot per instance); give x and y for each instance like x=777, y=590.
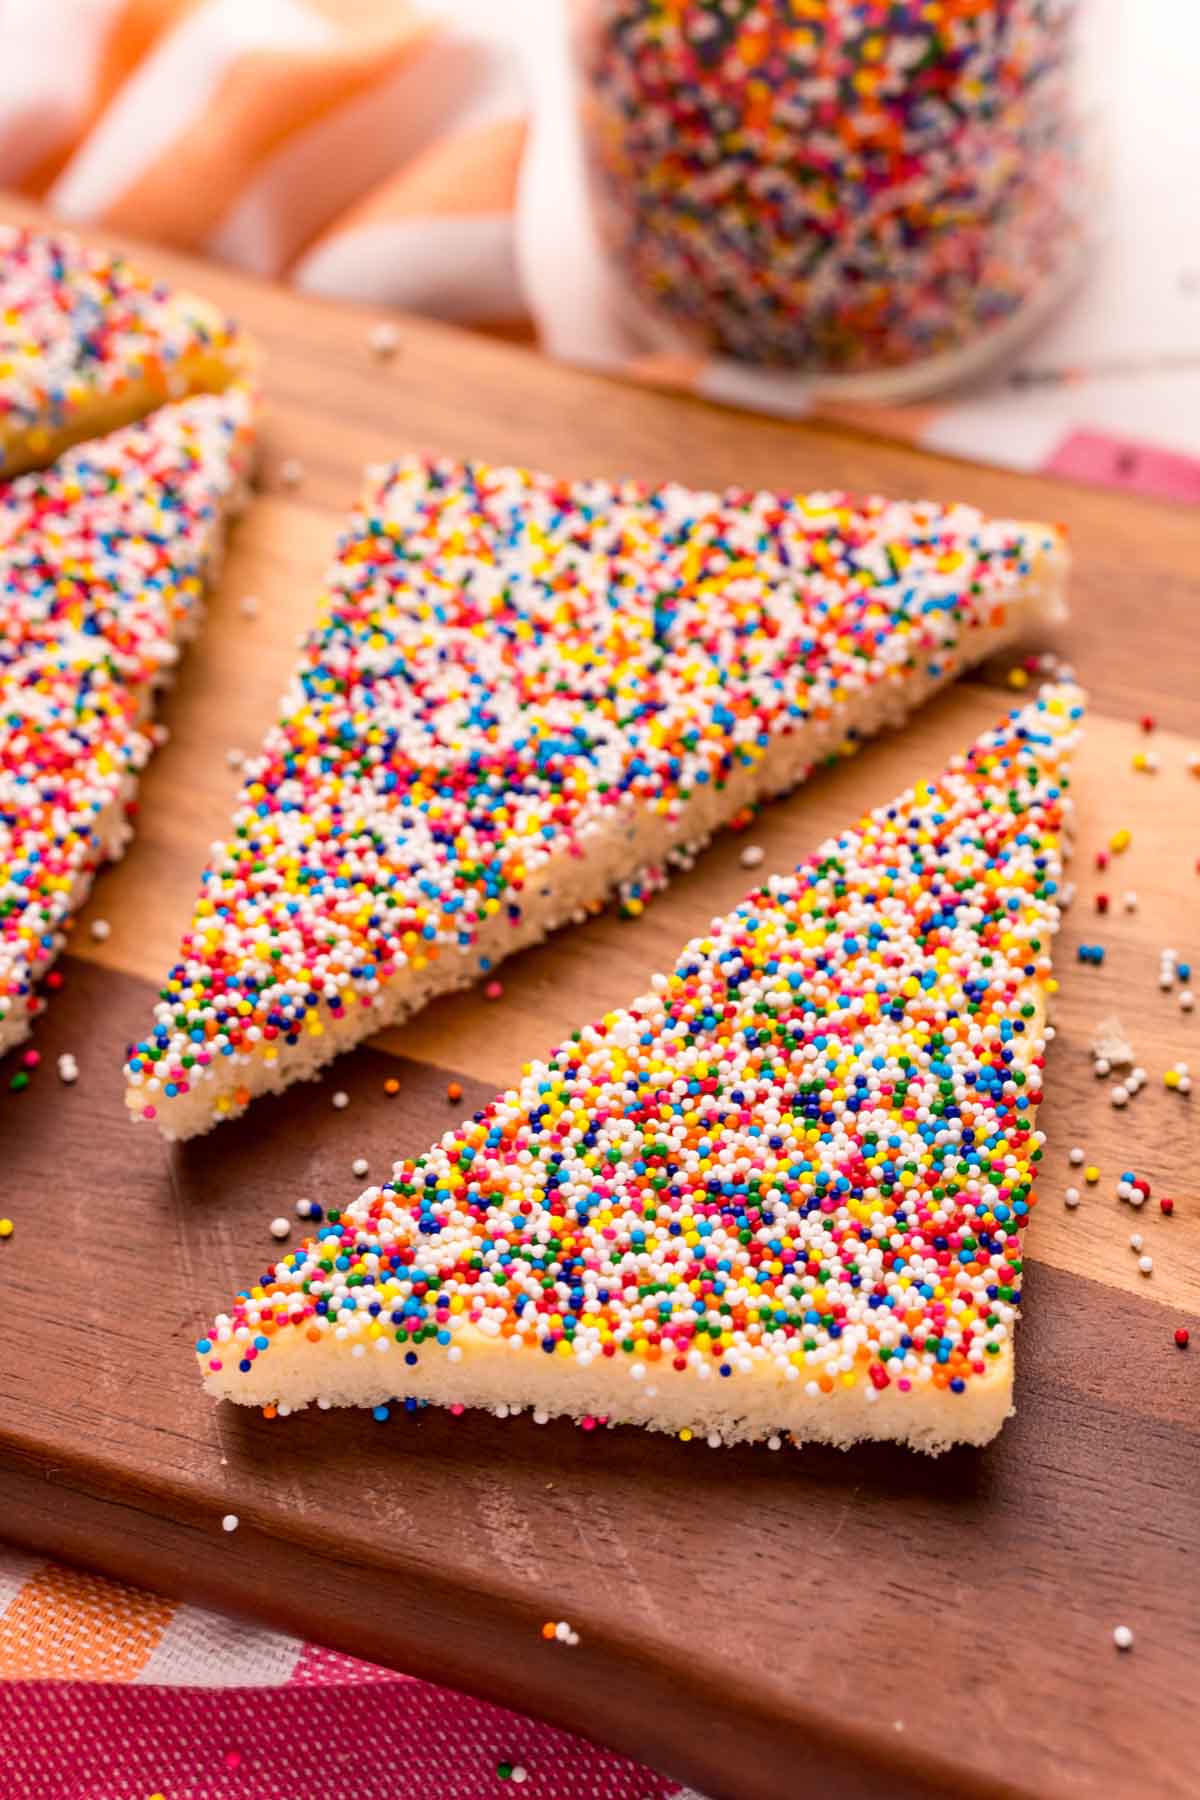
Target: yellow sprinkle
x=1120, y=840
x=1091, y=1174
x=6, y=1228
x=1171, y=1078
x=1018, y=678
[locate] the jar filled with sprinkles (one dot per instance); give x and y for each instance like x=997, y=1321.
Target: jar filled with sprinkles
x=882, y=193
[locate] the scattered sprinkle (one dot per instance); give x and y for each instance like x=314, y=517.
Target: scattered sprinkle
x=384, y=338
x=1145, y=1264
x=391, y=1086
x=1120, y=840
x=6, y=1228
x=291, y=472
x=752, y=856
x=248, y=606
x=230, y=1522
x=1071, y=1197
x=280, y=1227
x=1122, y=1637
x=454, y=1092
x=1166, y=1205
x=1075, y=1157
x=1091, y=1174
x=101, y=929
x=68, y=1069
x=493, y=990
x=359, y=1166
x=1182, y=1336
x=341, y=1100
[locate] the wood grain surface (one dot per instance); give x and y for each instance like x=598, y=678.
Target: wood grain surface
x=808, y=1624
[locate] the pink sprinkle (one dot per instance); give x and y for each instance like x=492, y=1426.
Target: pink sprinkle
x=588, y=1424
x=32, y=1058
x=149, y=1112
x=493, y=990
x=233, y=1759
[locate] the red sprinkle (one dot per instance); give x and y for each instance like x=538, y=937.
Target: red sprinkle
x=1101, y=903
x=1166, y=1205
x=1182, y=1336
x=1147, y=723
x=1102, y=859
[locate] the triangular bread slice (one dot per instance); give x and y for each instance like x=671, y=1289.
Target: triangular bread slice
x=521, y=692
x=783, y=1192
x=103, y=563
x=89, y=343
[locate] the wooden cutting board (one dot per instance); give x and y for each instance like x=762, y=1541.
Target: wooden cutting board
x=809, y=1624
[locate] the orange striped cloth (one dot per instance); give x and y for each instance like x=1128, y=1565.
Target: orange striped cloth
x=356, y=147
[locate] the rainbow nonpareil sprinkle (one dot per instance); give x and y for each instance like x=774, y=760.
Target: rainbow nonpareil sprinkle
x=519, y=693
x=103, y=559
x=784, y=1191
x=837, y=185
x=89, y=342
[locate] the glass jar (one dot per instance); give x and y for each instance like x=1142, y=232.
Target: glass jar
x=884, y=193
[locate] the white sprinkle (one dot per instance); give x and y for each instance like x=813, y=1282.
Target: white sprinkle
x=101, y=929
x=1130, y=901
x=291, y=472
x=1184, y=1085
x=304, y=1209
x=519, y=1774
x=1071, y=1197
x=752, y=855
x=540, y=1415
x=68, y=1068
x=280, y=1227
x=774, y=1442
x=341, y=1099
x=248, y=606
x=1119, y=1095
x=1166, y=979
x=1122, y=1637
x=359, y=1166
x=1075, y=1156
x=235, y=758
x=1135, y=1242
x=384, y=338
x=1145, y=1264
x=1187, y=1000
x=562, y=1631
x=230, y=1522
